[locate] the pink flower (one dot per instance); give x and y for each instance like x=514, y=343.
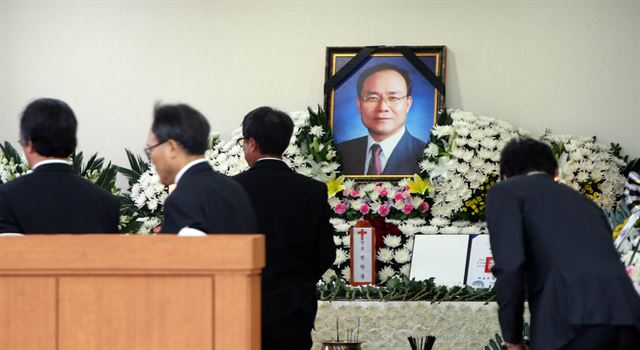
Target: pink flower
x=383, y=210
x=407, y=208
x=340, y=208
x=425, y=207
x=345, y=192
x=629, y=271
x=406, y=194
x=364, y=209
x=398, y=196
x=355, y=193
x=383, y=192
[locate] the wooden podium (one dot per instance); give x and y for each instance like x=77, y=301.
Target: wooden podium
x=115, y=292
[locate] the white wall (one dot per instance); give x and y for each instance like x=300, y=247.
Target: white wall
x=571, y=66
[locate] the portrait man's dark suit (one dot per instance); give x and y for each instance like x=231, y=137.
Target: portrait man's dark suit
x=293, y=212
x=53, y=199
x=402, y=161
x=556, y=245
x=210, y=202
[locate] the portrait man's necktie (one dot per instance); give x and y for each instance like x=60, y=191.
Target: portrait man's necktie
x=375, y=165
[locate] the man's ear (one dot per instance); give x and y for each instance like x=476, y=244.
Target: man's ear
x=173, y=148
x=28, y=147
x=409, y=103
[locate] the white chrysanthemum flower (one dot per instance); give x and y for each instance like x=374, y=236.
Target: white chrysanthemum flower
x=316, y=131
x=439, y=221
x=429, y=230
x=405, y=269
x=463, y=131
x=408, y=229
x=328, y=274
x=341, y=257
x=432, y=150
x=346, y=241
x=393, y=221
x=152, y=204
x=337, y=240
x=392, y=241
x=473, y=143
x=489, y=143
x=427, y=166
x=460, y=141
x=477, y=134
x=385, y=254
x=348, y=184
x=469, y=230
x=386, y=273
x=442, y=130
x=416, y=221
x=402, y=256
x=346, y=273
x=450, y=230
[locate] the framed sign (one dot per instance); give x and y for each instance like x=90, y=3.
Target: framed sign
x=363, y=254
x=479, y=263
x=382, y=103
x=440, y=256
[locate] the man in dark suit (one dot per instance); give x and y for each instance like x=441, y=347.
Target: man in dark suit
x=293, y=212
x=53, y=199
x=203, y=199
x=384, y=99
x=556, y=245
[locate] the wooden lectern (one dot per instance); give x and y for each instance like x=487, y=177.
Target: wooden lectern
x=115, y=292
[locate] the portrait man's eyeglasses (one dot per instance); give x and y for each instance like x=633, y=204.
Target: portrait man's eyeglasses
x=148, y=149
x=390, y=100
x=240, y=141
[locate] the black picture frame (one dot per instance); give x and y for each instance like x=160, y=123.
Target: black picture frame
x=342, y=102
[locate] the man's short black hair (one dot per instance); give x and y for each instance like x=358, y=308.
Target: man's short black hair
x=523, y=155
x=51, y=126
x=183, y=124
x=379, y=68
x=271, y=128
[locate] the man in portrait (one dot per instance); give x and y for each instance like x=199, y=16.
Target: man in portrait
x=383, y=100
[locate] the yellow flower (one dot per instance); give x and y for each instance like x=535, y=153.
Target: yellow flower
x=335, y=185
x=418, y=185
x=618, y=228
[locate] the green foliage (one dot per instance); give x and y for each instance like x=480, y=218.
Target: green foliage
x=320, y=148
x=96, y=171
x=137, y=166
x=10, y=152
x=496, y=343
x=474, y=207
x=401, y=288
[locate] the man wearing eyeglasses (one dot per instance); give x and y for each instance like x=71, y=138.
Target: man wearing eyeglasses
x=53, y=198
x=384, y=99
x=203, y=199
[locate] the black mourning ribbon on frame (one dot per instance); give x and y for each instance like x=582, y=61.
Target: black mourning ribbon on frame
x=366, y=51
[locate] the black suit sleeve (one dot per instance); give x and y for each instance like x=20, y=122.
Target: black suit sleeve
x=7, y=219
x=505, y=222
x=179, y=213
x=325, y=247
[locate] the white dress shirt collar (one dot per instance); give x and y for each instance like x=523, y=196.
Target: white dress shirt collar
x=50, y=161
x=187, y=167
x=387, y=146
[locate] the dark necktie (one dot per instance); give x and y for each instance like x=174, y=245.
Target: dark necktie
x=375, y=165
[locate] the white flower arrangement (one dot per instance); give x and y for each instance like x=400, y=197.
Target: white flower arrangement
x=10, y=169
x=148, y=192
x=584, y=164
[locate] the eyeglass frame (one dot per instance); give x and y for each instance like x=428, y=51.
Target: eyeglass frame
x=149, y=149
x=379, y=99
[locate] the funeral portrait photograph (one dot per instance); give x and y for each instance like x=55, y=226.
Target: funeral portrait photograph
x=383, y=110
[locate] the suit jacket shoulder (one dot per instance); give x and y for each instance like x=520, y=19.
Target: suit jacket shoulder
x=353, y=153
